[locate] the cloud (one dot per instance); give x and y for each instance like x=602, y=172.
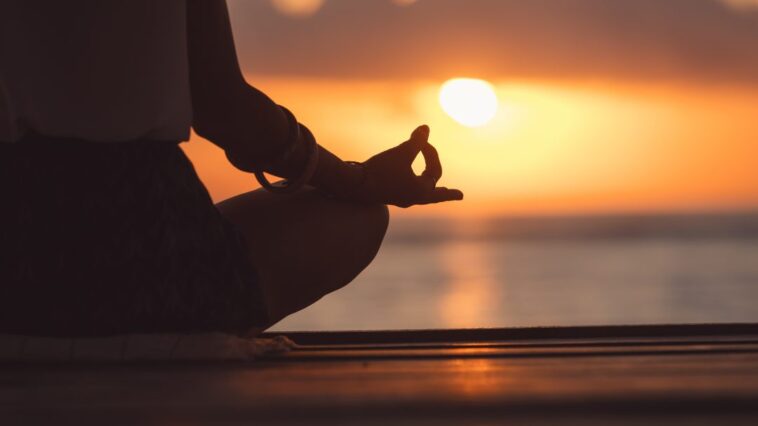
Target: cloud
x=297, y=8
x=610, y=39
x=742, y=4
x=305, y=8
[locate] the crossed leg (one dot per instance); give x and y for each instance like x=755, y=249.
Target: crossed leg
x=305, y=245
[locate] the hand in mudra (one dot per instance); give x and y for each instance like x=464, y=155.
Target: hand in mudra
x=389, y=178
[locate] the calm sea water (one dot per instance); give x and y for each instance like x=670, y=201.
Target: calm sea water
x=513, y=272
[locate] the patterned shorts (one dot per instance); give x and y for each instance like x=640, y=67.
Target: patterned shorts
x=107, y=238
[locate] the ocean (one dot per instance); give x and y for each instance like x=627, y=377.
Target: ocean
x=550, y=271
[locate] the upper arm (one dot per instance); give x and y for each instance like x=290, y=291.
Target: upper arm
x=226, y=110
x=212, y=57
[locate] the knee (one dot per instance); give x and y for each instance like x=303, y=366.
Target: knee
x=377, y=220
x=367, y=233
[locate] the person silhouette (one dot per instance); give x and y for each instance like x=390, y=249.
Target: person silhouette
x=106, y=227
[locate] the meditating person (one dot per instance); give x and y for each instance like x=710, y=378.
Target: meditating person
x=105, y=227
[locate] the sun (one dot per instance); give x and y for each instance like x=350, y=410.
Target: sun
x=469, y=101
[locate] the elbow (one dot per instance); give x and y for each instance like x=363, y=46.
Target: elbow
x=208, y=116
x=218, y=125
x=205, y=128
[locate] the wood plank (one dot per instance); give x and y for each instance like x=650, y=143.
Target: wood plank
x=525, y=333
x=617, y=380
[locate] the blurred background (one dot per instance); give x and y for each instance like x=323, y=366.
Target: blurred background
x=607, y=150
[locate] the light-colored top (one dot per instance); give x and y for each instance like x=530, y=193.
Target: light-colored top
x=99, y=70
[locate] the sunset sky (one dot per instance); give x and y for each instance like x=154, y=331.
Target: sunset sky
x=604, y=105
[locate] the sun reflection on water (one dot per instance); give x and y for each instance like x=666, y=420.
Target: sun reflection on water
x=472, y=292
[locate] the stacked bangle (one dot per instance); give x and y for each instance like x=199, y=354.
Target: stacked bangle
x=297, y=135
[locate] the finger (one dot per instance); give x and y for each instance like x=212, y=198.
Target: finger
x=433, y=167
x=421, y=133
x=442, y=194
x=413, y=146
x=425, y=184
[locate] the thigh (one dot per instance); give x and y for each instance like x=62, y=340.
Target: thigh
x=104, y=238
x=305, y=245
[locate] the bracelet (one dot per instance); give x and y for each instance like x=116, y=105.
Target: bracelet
x=288, y=186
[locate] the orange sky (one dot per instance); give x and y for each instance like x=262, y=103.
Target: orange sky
x=625, y=105
x=605, y=106
x=554, y=147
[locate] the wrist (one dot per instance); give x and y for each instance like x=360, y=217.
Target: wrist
x=356, y=180
x=351, y=182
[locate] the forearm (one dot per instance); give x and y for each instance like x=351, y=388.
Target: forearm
x=248, y=147
x=251, y=129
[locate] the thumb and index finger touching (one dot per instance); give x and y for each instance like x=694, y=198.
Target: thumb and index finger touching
x=419, y=142
x=415, y=144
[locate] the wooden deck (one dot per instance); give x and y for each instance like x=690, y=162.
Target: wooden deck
x=699, y=374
